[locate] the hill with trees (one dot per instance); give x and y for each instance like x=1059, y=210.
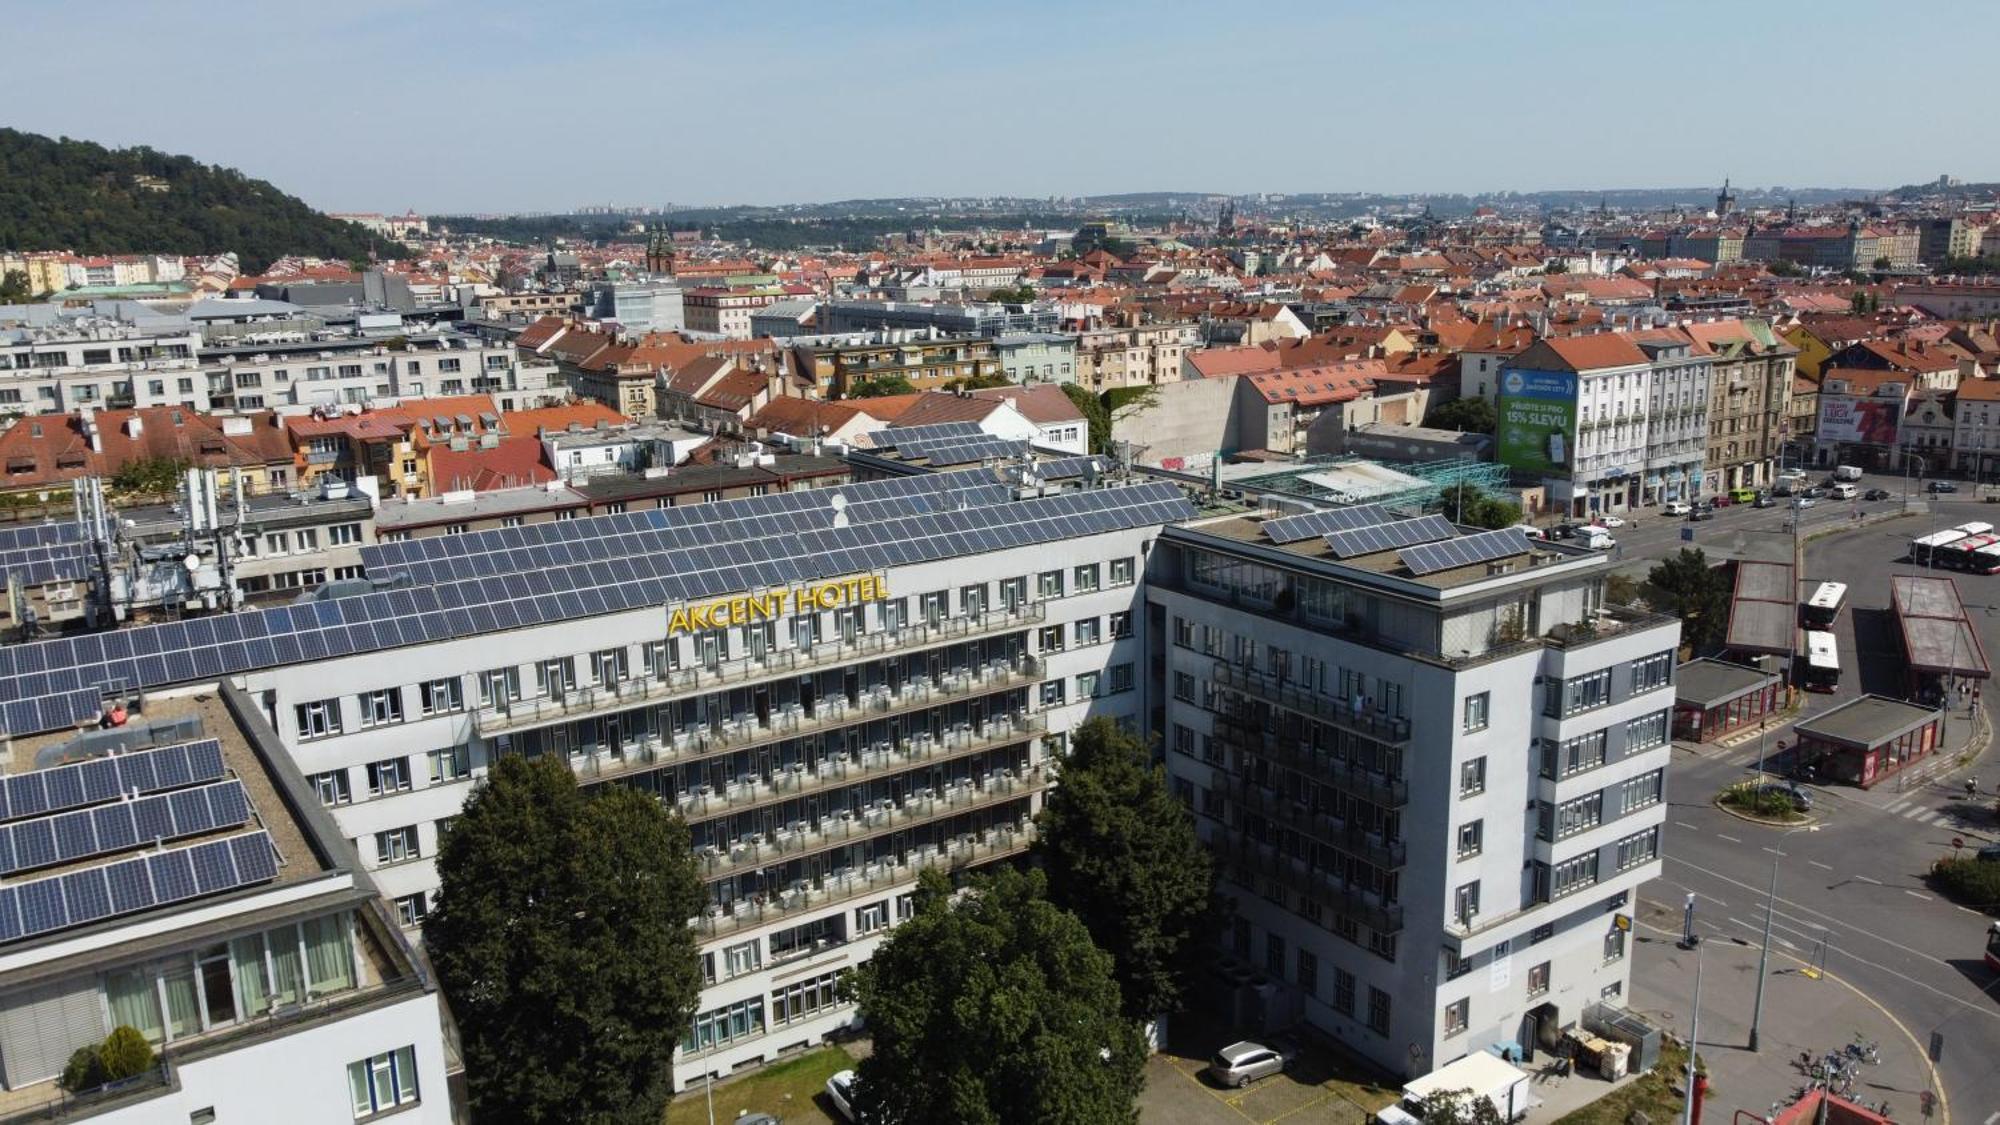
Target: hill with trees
x=64, y=194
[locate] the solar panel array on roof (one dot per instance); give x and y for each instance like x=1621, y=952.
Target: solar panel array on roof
x=54, y=562
x=965, y=451
x=60, y=788
x=61, y=902
x=1465, y=551
x=1379, y=537
x=1291, y=529
x=1069, y=468
x=895, y=437
x=67, y=837
x=47, y=679
x=15, y=536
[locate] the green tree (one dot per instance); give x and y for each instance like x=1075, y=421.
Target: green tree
x=1883, y=263
x=1466, y=415
x=125, y=1053
x=1019, y=295
x=1095, y=415
x=1467, y=504
x=1458, y=1107
x=561, y=938
x=980, y=382
x=1558, y=266
x=1684, y=585
x=149, y=474
x=1122, y=855
x=880, y=386
x=14, y=288
x=993, y=1006
x=1782, y=268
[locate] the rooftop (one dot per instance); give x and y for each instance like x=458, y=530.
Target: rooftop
x=1709, y=683
x=1867, y=722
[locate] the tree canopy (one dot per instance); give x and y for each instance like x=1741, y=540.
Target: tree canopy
x=1466, y=415
x=1684, y=585
x=1122, y=855
x=1019, y=295
x=63, y=194
x=561, y=939
x=881, y=386
x=1096, y=415
x=1467, y=504
x=981, y=382
x=14, y=288
x=993, y=1006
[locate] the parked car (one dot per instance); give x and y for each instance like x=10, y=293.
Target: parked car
x=1764, y=500
x=1564, y=531
x=1701, y=514
x=840, y=1091
x=1677, y=508
x=1722, y=500
x=1876, y=494
x=1803, y=501
x=1610, y=521
x=1240, y=1064
x=1800, y=798
x=1816, y=492
x=1532, y=531
x=1942, y=486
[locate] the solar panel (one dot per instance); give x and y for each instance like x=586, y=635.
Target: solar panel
x=1380, y=537
x=68, y=837
x=1066, y=468
x=60, y=788
x=1291, y=529
x=1465, y=551
x=893, y=437
x=60, y=902
x=40, y=535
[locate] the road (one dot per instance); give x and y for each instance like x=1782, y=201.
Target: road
x=1858, y=882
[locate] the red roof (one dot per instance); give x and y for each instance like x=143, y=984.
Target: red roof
x=1040, y=403
x=45, y=448
x=514, y=462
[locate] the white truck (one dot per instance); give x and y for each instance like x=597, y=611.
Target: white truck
x=1847, y=473
x=1479, y=1075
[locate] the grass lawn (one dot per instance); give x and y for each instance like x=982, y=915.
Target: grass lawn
x=1652, y=1094
x=787, y=1088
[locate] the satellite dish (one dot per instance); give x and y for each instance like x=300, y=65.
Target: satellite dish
x=192, y=563
x=838, y=502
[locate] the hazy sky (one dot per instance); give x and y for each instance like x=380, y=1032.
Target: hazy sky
x=493, y=106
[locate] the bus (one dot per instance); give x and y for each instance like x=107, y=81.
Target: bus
x=1924, y=546
x=1961, y=554
x=1822, y=670
x=1986, y=560
x=1823, y=607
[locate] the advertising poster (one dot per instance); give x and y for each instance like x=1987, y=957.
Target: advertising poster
x=1537, y=420
x=1870, y=421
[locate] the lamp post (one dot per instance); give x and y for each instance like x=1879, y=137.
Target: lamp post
x=1694, y=1043
x=1764, y=958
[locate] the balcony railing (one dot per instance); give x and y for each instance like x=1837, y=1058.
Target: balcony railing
x=1251, y=861
x=979, y=847
x=598, y=699
x=879, y=761
x=1317, y=826
x=1318, y=765
x=1347, y=716
x=851, y=827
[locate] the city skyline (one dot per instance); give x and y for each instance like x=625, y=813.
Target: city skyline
x=511, y=113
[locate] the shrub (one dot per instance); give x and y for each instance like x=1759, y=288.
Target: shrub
x=125, y=1053
x=1748, y=798
x=1974, y=882
x=84, y=1072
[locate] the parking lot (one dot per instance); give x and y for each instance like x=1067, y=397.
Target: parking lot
x=1323, y=1087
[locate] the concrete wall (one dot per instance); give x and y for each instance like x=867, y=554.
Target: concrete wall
x=1193, y=417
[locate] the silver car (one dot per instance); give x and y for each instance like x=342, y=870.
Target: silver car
x=1239, y=1064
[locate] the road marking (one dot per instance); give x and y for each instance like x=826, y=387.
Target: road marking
x=1899, y=806
x=1918, y=894
x=1866, y=879
x=1685, y=824
x=1992, y=1117
x=1731, y=839
x=1823, y=866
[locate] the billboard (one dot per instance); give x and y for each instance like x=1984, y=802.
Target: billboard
x=1870, y=421
x=1537, y=428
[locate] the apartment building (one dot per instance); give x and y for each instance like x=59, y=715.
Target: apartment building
x=1433, y=776
x=1676, y=414
x=1749, y=396
x=967, y=319
x=351, y=371
x=1134, y=356
x=928, y=363
x=725, y=311
x=232, y=927
x=1574, y=408
x=60, y=361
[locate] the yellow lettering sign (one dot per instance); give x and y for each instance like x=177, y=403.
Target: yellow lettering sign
x=724, y=613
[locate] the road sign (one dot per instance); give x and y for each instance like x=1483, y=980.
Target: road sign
x=1622, y=922
x=1957, y=842
x=1687, y=535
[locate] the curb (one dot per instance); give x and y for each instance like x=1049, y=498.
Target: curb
x=1749, y=819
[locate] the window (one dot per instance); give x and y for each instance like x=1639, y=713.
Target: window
x=1579, y=693
x=1121, y=626
x=1471, y=838
x=1465, y=903
x=1573, y=875
x=308, y=539
x=332, y=787
x=379, y=707
x=454, y=763
x=397, y=845
x=1472, y=777
x=276, y=543
x=441, y=697
x=745, y=957
x=1121, y=678
x=1121, y=571
x=1051, y=638
x=806, y=998
x=1455, y=966
x=1579, y=815
x=1343, y=991
x=1538, y=979
x=1184, y=686
x=1089, y=685
x=1378, y=1011
x=319, y=719
x=1614, y=944
x=1456, y=1015
x=1050, y=584
x=1052, y=693
x=1644, y=847
x=499, y=686
x=383, y=1082
x=410, y=910
x=1642, y=791
x=723, y=1026
x=1274, y=955
x=872, y=917
x=1308, y=973
x=391, y=775
x=1572, y=756
x=554, y=677
x=808, y=938
x=1087, y=578
x=1646, y=732
x=608, y=667
x=1476, y=708
x=1651, y=672
x=1183, y=632
x=343, y=534
x=1089, y=631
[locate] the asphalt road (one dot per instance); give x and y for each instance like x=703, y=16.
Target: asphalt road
x=1857, y=882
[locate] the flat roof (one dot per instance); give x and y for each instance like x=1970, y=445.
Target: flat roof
x=1709, y=683
x=1763, y=609
x=1937, y=638
x=1867, y=722
x=1249, y=528
x=1480, y=1072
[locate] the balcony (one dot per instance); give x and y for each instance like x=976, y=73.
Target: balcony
x=583, y=702
x=1346, y=716
x=1318, y=765
x=849, y=826
x=1250, y=862
x=1317, y=826
x=1610, y=621
x=876, y=878
x=797, y=780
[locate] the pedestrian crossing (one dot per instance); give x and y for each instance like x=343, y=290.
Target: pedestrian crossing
x=1910, y=810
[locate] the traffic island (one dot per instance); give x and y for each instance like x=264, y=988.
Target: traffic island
x=1968, y=880
x=1764, y=802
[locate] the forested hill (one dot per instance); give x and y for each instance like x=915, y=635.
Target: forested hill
x=74, y=195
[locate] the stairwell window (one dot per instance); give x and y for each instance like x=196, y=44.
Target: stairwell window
x=397, y=845
x=441, y=697
x=1456, y=1015
x=383, y=1082
x=381, y=707
x=318, y=719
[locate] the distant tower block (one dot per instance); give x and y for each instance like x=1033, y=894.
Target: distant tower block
x=1725, y=200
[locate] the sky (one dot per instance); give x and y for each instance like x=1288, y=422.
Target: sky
x=387, y=105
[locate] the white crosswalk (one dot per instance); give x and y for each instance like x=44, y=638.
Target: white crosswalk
x=1910, y=810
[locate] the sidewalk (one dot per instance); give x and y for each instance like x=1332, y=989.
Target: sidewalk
x=1800, y=1014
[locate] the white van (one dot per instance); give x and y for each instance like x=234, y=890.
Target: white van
x=1847, y=472
x=1596, y=538
x=1842, y=492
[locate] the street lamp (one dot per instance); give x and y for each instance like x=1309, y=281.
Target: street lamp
x=1694, y=1043
x=1764, y=958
